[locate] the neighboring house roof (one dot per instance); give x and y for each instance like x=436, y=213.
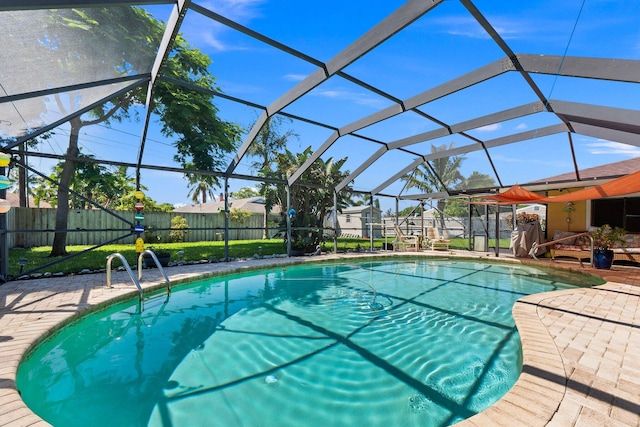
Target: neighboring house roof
x=610, y=170
x=358, y=209
x=249, y=204
x=14, y=200
x=431, y=212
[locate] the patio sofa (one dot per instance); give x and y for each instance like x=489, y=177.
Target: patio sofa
x=580, y=247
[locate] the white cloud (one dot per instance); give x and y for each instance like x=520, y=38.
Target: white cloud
x=489, y=128
x=295, y=77
x=359, y=98
x=522, y=126
x=610, y=147
x=331, y=93
x=544, y=163
x=466, y=26
x=235, y=88
x=236, y=10
x=470, y=34
x=211, y=39
x=462, y=26
x=210, y=32
x=502, y=158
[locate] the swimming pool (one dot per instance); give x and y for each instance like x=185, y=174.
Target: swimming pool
x=419, y=342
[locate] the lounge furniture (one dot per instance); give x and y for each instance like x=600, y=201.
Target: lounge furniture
x=571, y=245
x=580, y=247
x=403, y=241
x=434, y=241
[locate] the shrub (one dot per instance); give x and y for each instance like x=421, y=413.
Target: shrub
x=179, y=228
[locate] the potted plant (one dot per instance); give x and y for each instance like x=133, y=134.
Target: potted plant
x=298, y=246
x=163, y=255
x=156, y=239
x=604, y=239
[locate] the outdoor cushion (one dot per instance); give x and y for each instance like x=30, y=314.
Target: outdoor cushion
x=630, y=241
x=561, y=247
x=627, y=250
x=559, y=234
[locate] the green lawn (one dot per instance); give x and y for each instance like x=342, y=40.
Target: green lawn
x=197, y=251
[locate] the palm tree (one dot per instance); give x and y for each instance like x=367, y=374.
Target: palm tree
x=362, y=199
x=441, y=174
x=476, y=180
x=268, y=144
x=202, y=186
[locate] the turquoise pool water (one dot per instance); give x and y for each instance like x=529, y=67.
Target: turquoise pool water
x=412, y=343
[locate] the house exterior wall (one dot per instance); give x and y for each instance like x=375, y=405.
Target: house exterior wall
x=557, y=216
x=354, y=222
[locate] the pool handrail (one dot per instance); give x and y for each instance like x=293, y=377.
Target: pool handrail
x=157, y=262
x=126, y=266
x=535, y=246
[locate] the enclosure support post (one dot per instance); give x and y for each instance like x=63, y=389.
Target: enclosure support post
x=335, y=222
x=226, y=219
x=371, y=222
x=470, y=218
x=4, y=247
x=288, y=220
x=397, y=210
x=422, y=233
x=486, y=227
x=497, y=232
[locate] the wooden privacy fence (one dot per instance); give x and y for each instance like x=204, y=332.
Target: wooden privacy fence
x=28, y=227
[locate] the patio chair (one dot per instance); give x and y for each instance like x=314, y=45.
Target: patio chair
x=402, y=241
x=434, y=241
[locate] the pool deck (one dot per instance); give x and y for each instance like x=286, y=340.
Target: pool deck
x=580, y=347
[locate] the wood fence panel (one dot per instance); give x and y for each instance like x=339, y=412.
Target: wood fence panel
x=30, y=219
x=16, y=217
x=199, y=224
x=36, y=221
x=72, y=224
x=11, y=238
x=203, y=226
x=117, y=227
x=44, y=221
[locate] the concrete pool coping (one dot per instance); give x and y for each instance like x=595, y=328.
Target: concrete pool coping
x=580, y=346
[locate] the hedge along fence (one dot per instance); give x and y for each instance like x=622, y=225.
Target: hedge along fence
x=29, y=227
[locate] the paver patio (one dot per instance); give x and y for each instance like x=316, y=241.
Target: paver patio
x=580, y=346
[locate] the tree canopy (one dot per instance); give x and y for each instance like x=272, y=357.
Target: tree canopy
x=245, y=192
x=188, y=117
x=270, y=140
x=311, y=198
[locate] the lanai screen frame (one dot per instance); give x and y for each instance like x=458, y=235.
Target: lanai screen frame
x=614, y=124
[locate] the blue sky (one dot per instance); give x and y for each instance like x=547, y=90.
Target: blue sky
x=444, y=44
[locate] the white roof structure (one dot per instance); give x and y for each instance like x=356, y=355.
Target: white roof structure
x=553, y=94
x=359, y=209
x=249, y=204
